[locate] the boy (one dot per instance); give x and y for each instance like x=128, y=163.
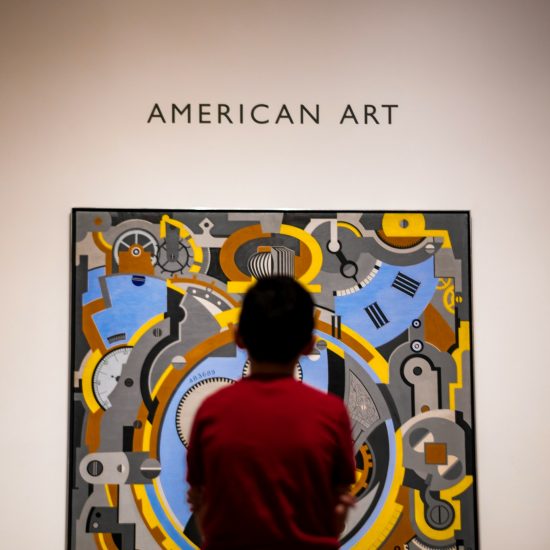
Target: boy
x=270, y=459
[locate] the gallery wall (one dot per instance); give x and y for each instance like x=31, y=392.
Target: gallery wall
x=78, y=84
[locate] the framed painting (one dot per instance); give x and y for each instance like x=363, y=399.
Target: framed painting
x=155, y=295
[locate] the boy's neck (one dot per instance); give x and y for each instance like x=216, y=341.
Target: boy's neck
x=260, y=368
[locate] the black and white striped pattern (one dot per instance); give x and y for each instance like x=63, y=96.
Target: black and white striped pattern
x=406, y=284
x=376, y=315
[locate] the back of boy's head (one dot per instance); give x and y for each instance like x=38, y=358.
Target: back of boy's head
x=276, y=321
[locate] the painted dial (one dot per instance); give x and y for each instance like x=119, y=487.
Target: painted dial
x=192, y=399
x=347, y=267
x=107, y=374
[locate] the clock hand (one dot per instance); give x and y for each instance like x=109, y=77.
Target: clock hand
x=348, y=268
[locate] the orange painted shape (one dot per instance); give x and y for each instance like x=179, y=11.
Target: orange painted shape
x=93, y=431
x=403, y=531
x=436, y=329
x=88, y=326
x=302, y=261
x=135, y=260
x=435, y=453
x=230, y=247
x=107, y=251
x=399, y=242
x=113, y=494
x=105, y=541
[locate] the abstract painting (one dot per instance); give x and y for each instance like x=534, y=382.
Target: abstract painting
x=155, y=297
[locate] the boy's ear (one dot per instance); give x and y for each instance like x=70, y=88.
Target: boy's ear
x=238, y=339
x=308, y=348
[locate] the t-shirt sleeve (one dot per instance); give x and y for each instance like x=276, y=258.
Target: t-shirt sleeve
x=195, y=474
x=344, y=472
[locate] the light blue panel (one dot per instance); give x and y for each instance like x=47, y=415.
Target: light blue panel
x=131, y=305
x=399, y=308
x=94, y=290
x=315, y=373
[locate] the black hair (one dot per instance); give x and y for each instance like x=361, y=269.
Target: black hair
x=276, y=321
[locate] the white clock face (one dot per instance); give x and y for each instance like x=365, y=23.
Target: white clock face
x=107, y=374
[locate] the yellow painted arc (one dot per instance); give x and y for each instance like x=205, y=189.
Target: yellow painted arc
x=150, y=516
x=144, y=328
x=167, y=220
x=102, y=242
x=416, y=227
x=450, y=493
x=230, y=316
x=109, y=499
x=170, y=284
x=239, y=287
x=198, y=255
x=161, y=380
x=447, y=495
x=87, y=381
x=463, y=346
x=101, y=539
x=335, y=349
x=176, y=525
x=146, y=441
x=352, y=228
x=101, y=536
x=378, y=364
x=316, y=255
x=443, y=283
x=448, y=299
x=391, y=510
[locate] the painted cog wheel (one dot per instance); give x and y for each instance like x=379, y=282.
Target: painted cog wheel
x=191, y=401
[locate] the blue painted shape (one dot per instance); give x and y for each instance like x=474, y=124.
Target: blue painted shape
x=315, y=373
x=174, y=534
x=399, y=308
x=131, y=306
x=138, y=280
x=94, y=289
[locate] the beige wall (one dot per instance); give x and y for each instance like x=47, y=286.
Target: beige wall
x=77, y=82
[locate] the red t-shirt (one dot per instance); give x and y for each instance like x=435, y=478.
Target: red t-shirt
x=269, y=453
